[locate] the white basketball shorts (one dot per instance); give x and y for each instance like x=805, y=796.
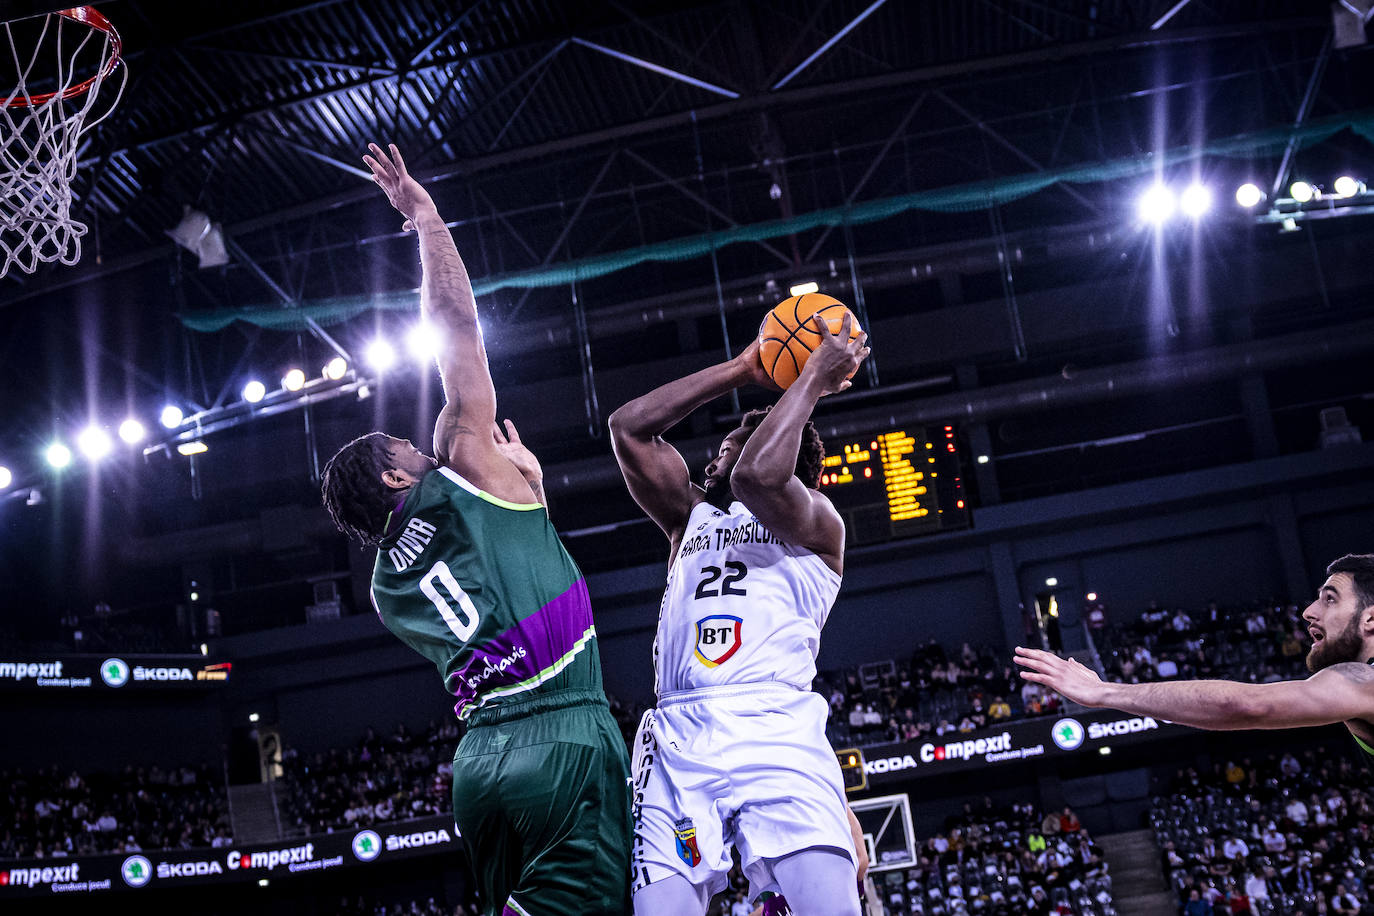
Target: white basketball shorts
x=746, y=765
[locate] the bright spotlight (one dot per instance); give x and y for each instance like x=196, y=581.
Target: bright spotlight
x=335, y=368
x=1156, y=205
x=801, y=289
x=294, y=380
x=172, y=416
x=6, y=478
x=380, y=355
x=58, y=455
x=1249, y=194
x=1301, y=191
x=196, y=447
x=132, y=431
x=423, y=342
x=1051, y=582
x=1195, y=200
x=254, y=391
x=1345, y=186
x=94, y=443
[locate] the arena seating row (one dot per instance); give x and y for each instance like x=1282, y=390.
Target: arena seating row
x=1259, y=642
x=991, y=861
x=1280, y=836
x=934, y=692
x=54, y=813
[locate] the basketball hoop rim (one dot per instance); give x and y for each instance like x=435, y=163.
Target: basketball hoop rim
x=86, y=15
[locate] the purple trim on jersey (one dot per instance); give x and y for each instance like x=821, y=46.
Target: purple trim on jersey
x=526, y=650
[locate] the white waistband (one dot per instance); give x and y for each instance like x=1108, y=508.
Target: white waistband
x=675, y=697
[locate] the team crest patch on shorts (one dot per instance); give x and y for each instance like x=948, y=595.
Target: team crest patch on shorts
x=718, y=638
x=686, y=833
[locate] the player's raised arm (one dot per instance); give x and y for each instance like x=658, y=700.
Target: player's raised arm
x=654, y=471
x=463, y=434
x=764, y=478
x=1336, y=694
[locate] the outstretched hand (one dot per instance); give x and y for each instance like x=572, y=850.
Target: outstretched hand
x=405, y=193
x=837, y=357
x=1070, y=678
x=513, y=450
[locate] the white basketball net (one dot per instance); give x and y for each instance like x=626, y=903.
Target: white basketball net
x=39, y=139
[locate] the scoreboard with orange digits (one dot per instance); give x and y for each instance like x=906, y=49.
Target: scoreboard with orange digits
x=896, y=483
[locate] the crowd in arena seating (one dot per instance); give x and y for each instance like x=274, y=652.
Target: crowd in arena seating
x=992, y=861
x=998, y=861
x=397, y=777
x=935, y=692
x=1285, y=836
x=53, y=813
x=374, y=905
x=1260, y=642
x=403, y=775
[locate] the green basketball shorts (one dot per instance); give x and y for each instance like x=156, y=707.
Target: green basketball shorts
x=541, y=796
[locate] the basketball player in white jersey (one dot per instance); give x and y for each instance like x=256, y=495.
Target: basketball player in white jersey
x=735, y=752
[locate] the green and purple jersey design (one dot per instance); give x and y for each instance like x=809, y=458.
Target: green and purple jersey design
x=484, y=589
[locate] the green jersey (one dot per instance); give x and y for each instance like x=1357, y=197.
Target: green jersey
x=484, y=589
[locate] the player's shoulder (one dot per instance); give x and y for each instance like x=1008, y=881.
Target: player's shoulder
x=1357, y=672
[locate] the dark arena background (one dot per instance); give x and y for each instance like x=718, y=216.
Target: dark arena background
x=1117, y=261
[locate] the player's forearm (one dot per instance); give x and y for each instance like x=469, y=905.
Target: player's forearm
x=446, y=292
x=1221, y=705
x=769, y=458
x=660, y=410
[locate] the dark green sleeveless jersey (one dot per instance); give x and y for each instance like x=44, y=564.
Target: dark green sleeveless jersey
x=484, y=589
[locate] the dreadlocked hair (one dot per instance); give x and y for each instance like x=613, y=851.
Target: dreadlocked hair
x=811, y=453
x=353, y=491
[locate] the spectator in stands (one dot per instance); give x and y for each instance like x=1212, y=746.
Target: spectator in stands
x=999, y=709
x=1068, y=821
x=1235, y=849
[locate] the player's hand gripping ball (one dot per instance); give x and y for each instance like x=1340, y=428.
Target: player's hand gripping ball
x=788, y=334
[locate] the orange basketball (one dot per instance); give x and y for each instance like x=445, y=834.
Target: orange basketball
x=788, y=334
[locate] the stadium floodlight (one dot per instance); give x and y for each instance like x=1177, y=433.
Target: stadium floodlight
x=1195, y=200
x=380, y=355
x=335, y=369
x=294, y=380
x=94, y=443
x=6, y=478
x=1345, y=186
x=801, y=289
x=58, y=455
x=193, y=448
x=132, y=431
x=422, y=341
x=1156, y=205
x=254, y=391
x=1301, y=191
x=172, y=416
x=1249, y=194
x=1051, y=582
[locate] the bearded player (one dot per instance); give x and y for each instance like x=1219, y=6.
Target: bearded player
x=735, y=752
x=470, y=573
x=1341, y=688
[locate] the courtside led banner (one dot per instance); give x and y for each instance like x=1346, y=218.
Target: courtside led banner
x=125, y=673
x=145, y=872
x=1025, y=739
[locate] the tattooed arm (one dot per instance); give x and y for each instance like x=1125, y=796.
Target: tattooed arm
x=463, y=434
x=1335, y=694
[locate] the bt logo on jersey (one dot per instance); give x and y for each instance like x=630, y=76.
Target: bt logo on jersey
x=718, y=639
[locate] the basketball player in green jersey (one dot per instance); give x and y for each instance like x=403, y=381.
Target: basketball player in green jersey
x=470, y=573
x=1341, y=688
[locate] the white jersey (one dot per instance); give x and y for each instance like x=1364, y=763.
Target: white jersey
x=741, y=606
